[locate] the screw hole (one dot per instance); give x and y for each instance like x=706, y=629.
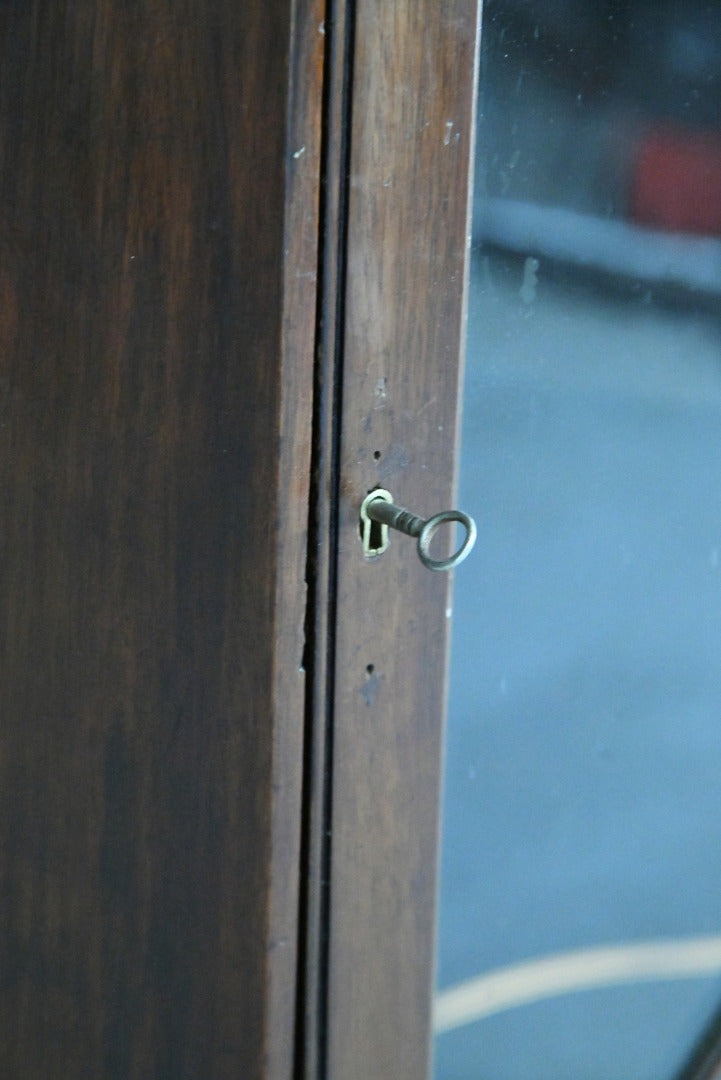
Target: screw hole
x=377, y=455
x=370, y=668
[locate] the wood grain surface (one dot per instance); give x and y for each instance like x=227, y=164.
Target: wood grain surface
x=411, y=134
x=158, y=239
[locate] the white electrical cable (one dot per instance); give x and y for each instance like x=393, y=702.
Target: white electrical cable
x=571, y=972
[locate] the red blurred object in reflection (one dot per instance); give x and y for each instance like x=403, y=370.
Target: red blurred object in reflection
x=676, y=182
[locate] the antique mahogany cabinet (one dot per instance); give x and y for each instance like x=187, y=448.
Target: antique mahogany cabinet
x=233, y=252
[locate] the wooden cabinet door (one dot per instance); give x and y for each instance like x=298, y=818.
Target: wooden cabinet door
x=159, y=179
x=402, y=84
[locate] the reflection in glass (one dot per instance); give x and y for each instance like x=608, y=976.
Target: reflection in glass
x=580, y=881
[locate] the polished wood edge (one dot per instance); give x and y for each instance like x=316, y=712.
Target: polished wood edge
x=294, y=454
x=463, y=349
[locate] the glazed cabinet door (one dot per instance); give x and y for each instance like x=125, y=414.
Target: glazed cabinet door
x=233, y=262
x=402, y=84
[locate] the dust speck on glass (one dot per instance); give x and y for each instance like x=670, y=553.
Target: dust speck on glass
x=580, y=917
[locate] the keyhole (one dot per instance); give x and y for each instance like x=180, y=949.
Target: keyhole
x=376, y=542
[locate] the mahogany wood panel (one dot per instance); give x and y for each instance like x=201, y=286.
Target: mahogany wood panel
x=159, y=169
x=411, y=129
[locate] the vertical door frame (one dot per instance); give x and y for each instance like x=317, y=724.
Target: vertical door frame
x=399, y=122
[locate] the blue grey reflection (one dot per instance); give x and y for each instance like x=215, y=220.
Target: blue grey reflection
x=584, y=748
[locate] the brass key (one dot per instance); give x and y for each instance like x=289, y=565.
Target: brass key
x=378, y=514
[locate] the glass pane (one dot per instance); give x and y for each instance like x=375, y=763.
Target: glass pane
x=580, y=923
